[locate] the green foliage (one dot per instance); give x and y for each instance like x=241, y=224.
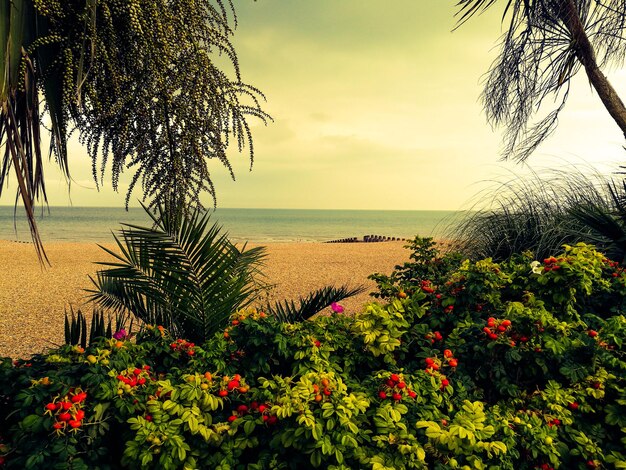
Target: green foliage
x=180, y=273
x=153, y=87
x=288, y=311
x=542, y=212
x=139, y=80
x=607, y=224
x=532, y=213
x=76, y=327
x=381, y=328
x=426, y=263
x=526, y=371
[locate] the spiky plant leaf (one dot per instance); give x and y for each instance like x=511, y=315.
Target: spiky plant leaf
x=288, y=311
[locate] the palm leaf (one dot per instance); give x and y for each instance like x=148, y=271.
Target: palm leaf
x=19, y=110
x=288, y=311
x=4, y=48
x=180, y=273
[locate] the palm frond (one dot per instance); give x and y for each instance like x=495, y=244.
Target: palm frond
x=19, y=110
x=5, y=25
x=545, y=43
x=288, y=311
x=181, y=273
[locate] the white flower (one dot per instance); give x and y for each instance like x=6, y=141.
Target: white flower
x=535, y=267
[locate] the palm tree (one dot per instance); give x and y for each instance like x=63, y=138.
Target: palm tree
x=180, y=273
x=139, y=83
x=546, y=43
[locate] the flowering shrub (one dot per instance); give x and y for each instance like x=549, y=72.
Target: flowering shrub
x=469, y=365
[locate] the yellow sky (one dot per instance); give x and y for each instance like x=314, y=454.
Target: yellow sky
x=376, y=106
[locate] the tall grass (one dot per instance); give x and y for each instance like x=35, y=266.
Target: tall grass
x=541, y=212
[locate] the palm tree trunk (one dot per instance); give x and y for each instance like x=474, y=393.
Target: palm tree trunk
x=587, y=57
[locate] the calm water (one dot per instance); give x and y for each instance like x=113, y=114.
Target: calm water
x=255, y=225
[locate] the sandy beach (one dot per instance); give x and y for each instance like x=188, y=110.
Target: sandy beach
x=33, y=299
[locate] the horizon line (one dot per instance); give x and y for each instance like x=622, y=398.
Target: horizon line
x=245, y=208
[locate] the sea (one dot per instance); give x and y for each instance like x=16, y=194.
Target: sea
x=96, y=224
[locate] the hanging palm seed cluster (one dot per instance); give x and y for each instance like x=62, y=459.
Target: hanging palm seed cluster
x=141, y=84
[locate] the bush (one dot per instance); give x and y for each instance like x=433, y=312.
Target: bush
x=517, y=365
x=542, y=212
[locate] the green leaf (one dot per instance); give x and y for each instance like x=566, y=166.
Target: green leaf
x=31, y=422
x=181, y=274
x=248, y=427
x=288, y=312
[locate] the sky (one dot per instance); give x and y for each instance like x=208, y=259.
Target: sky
x=375, y=106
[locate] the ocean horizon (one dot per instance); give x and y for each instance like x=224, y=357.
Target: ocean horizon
x=96, y=224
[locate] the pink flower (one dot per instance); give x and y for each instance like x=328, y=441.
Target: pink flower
x=337, y=308
x=121, y=334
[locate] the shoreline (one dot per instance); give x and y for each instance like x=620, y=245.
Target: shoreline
x=33, y=298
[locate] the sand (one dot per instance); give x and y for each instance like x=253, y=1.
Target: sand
x=33, y=299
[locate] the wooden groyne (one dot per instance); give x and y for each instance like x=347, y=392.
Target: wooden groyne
x=367, y=239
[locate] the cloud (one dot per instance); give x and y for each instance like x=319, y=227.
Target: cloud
x=375, y=106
